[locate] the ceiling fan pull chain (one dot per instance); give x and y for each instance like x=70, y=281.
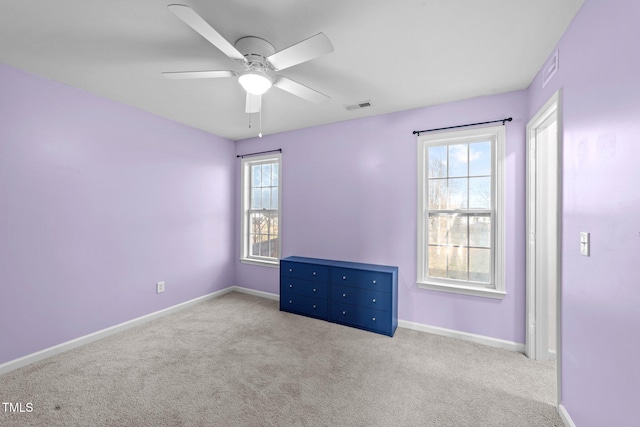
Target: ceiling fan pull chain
x=260, y=119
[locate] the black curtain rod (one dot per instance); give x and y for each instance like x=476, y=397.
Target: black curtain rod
x=279, y=150
x=418, y=132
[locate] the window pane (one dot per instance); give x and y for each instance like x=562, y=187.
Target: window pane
x=266, y=198
x=458, y=193
x=480, y=193
x=275, y=229
x=458, y=263
x=256, y=175
x=458, y=235
x=256, y=199
x=258, y=223
x=254, y=223
x=458, y=160
x=273, y=246
x=274, y=197
x=480, y=265
x=256, y=244
x=438, y=194
x=274, y=174
x=263, y=249
x=438, y=162
x=480, y=231
x=480, y=158
x=266, y=175
x=438, y=261
x=438, y=229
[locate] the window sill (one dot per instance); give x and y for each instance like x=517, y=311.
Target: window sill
x=272, y=264
x=465, y=290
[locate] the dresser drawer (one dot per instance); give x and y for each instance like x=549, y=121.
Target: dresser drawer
x=308, y=306
x=362, y=317
x=361, y=297
x=361, y=278
x=299, y=270
x=304, y=287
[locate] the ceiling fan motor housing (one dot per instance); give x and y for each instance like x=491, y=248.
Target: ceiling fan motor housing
x=256, y=50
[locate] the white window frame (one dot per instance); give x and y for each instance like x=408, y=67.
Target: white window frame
x=245, y=186
x=497, y=287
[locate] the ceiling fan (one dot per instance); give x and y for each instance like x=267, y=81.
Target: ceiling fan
x=259, y=59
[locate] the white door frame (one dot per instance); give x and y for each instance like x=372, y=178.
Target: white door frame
x=537, y=310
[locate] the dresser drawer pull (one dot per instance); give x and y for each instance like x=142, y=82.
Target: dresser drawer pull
x=373, y=318
x=290, y=270
x=291, y=286
x=314, y=306
x=315, y=290
x=344, y=277
x=314, y=273
x=290, y=302
x=374, y=282
x=344, y=295
x=344, y=312
x=373, y=300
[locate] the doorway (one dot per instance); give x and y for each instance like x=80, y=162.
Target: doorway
x=544, y=191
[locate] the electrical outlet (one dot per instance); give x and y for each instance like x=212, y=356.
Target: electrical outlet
x=159, y=287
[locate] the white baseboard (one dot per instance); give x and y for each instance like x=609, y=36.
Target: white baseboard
x=61, y=348
x=253, y=292
x=565, y=417
x=479, y=339
x=77, y=342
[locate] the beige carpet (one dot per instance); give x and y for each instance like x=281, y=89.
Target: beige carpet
x=238, y=361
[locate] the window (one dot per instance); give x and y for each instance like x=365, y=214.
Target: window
x=261, y=178
x=460, y=211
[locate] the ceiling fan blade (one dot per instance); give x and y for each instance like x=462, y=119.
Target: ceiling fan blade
x=253, y=103
x=201, y=26
x=179, y=75
x=304, y=51
x=300, y=90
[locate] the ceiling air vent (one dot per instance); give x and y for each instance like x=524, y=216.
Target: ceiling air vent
x=359, y=105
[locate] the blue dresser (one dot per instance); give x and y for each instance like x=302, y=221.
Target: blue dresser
x=360, y=295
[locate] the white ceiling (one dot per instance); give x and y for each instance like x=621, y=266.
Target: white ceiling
x=400, y=54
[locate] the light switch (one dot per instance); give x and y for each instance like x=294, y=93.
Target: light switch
x=584, y=243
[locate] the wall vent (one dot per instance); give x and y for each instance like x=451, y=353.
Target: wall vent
x=359, y=105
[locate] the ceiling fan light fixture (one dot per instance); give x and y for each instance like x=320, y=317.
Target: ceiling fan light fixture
x=255, y=82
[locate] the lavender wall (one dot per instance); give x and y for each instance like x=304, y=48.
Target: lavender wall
x=599, y=75
x=98, y=201
x=349, y=193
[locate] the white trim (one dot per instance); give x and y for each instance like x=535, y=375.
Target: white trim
x=465, y=336
x=261, y=294
x=95, y=336
x=244, y=202
x=498, y=134
x=536, y=334
x=466, y=290
x=537, y=313
x=565, y=417
x=262, y=263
